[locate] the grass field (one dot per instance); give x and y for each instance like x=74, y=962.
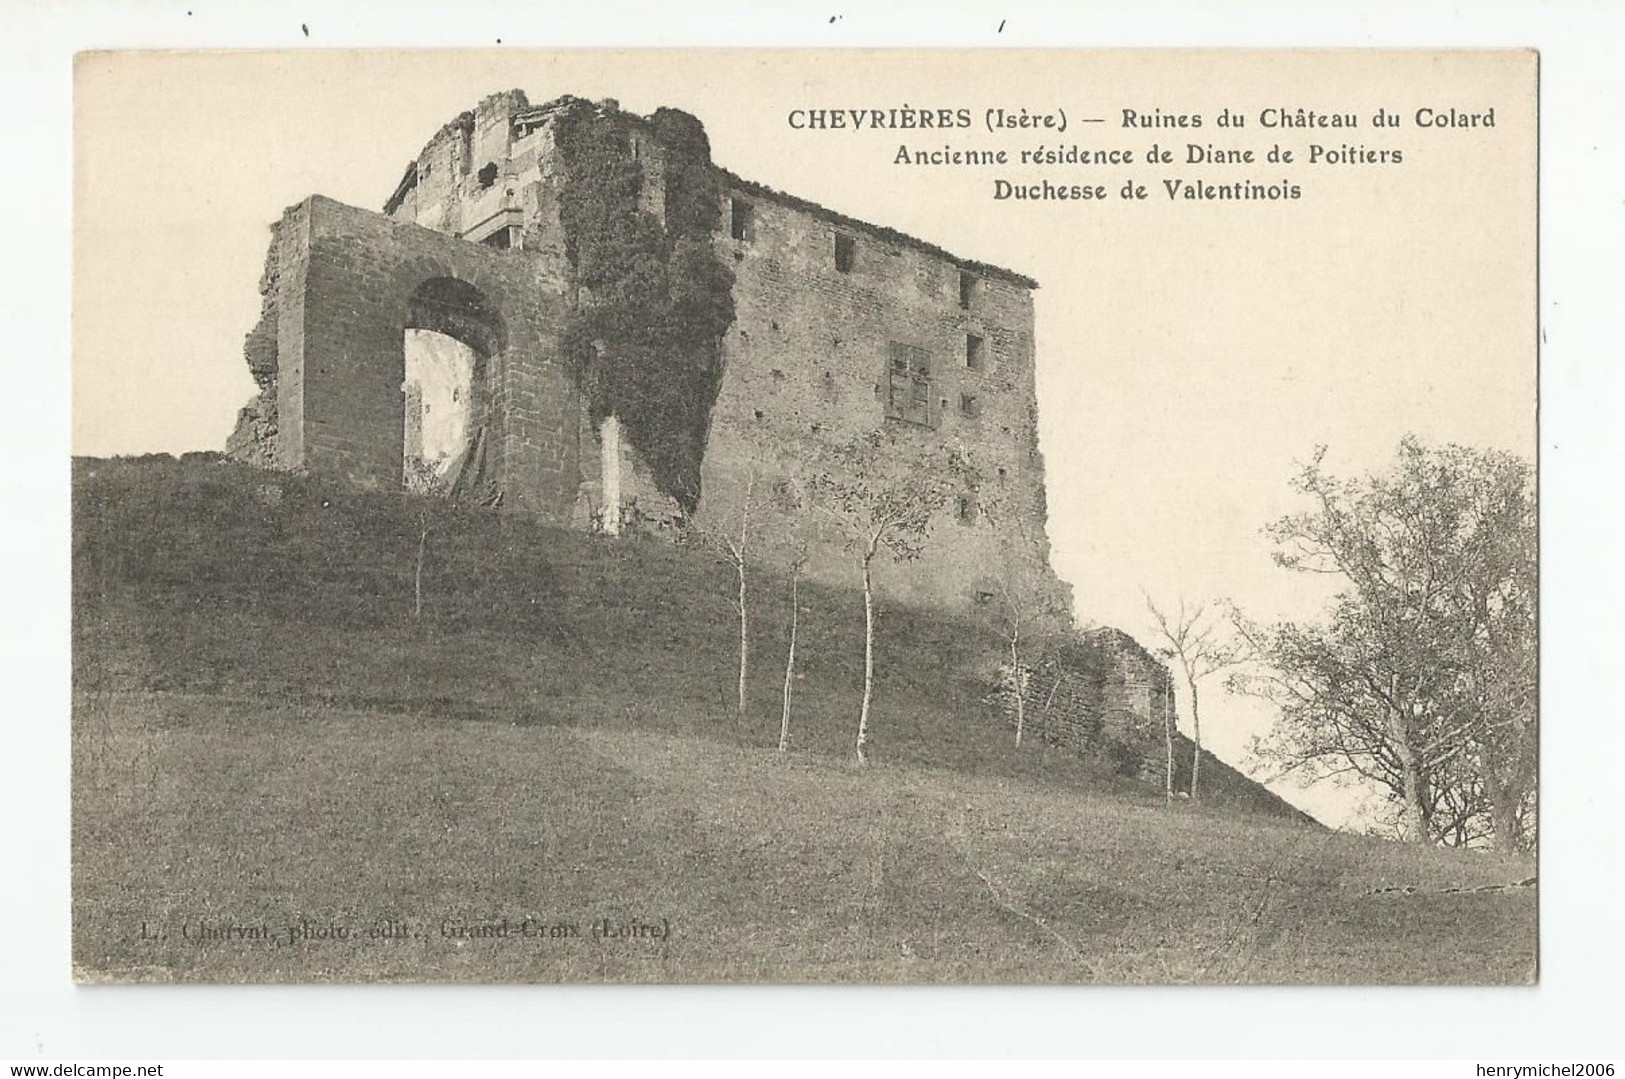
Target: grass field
x=269, y=750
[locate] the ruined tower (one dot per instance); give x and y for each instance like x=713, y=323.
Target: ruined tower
x=838, y=327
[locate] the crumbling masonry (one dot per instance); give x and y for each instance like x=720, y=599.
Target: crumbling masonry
x=840, y=328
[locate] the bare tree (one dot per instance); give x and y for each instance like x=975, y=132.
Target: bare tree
x=1197, y=638
x=789, y=498
x=427, y=479
x=1027, y=605
x=1168, y=744
x=881, y=494
x=730, y=538
x=796, y=565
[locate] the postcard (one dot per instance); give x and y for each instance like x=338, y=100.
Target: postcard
x=790, y=516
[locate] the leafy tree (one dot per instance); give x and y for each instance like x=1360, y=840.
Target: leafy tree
x=1421, y=679
x=881, y=493
x=1496, y=613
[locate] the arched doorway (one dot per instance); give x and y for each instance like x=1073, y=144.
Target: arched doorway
x=451, y=336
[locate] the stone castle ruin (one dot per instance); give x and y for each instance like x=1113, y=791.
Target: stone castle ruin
x=567, y=310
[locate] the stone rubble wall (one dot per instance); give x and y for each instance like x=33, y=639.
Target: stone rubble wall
x=1104, y=701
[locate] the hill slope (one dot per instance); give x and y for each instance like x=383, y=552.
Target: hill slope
x=268, y=744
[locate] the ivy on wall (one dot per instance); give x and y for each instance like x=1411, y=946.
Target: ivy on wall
x=655, y=298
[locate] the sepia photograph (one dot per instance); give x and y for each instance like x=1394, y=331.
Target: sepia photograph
x=765, y=516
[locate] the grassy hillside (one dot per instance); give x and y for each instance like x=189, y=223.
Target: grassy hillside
x=265, y=737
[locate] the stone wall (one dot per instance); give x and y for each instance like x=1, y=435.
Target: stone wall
x=349, y=284
x=470, y=244
x=448, y=186
x=1137, y=682
x=807, y=362
x=1102, y=696
x=808, y=366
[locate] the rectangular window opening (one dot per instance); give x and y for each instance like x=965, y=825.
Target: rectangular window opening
x=967, y=289
x=846, y=253
x=740, y=219
x=975, y=351
x=968, y=405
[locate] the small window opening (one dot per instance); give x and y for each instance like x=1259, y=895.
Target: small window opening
x=846, y=253
x=965, y=509
x=967, y=288
x=488, y=174
x=740, y=220
x=968, y=405
x=975, y=351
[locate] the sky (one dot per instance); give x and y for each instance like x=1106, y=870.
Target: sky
x=1190, y=352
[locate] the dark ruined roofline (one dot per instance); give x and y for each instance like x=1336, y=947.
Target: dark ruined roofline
x=408, y=182
x=1114, y=636
x=463, y=121
x=522, y=111
x=536, y=114
x=983, y=269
